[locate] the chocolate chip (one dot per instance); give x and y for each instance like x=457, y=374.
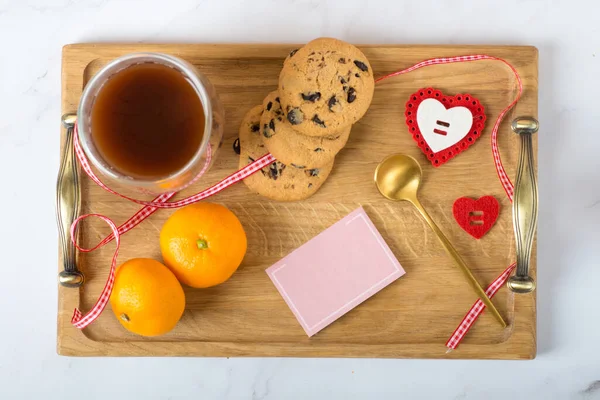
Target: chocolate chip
x=322, y=58
x=298, y=166
x=342, y=80
x=272, y=125
x=254, y=127
x=342, y=60
x=312, y=172
x=317, y=121
x=293, y=52
x=361, y=65
x=357, y=75
x=277, y=99
x=311, y=96
x=345, y=88
x=351, y=95
x=295, y=116
x=275, y=170
x=309, y=185
x=279, y=119
x=318, y=150
x=312, y=53
x=268, y=132
x=236, y=146
x=333, y=104
x=269, y=105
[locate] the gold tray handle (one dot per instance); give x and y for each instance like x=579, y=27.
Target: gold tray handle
x=67, y=206
x=525, y=205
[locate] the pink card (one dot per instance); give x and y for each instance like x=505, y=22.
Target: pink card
x=335, y=271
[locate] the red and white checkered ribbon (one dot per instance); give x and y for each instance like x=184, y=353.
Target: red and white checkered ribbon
x=477, y=309
x=81, y=321
x=231, y=179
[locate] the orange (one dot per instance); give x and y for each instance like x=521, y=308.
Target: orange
x=203, y=244
x=147, y=298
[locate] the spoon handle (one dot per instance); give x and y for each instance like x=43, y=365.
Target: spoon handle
x=459, y=262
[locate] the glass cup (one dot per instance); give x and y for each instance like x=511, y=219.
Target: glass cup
x=204, y=155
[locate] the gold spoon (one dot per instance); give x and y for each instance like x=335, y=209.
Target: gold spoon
x=398, y=178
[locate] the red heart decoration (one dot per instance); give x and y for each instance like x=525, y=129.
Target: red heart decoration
x=476, y=217
x=449, y=149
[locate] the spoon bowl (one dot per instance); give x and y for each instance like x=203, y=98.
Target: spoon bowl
x=398, y=177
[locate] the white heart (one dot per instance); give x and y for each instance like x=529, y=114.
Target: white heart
x=440, y=127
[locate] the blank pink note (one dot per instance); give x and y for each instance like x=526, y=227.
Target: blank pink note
x=335, y=271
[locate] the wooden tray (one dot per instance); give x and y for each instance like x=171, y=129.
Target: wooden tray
x=246, y=316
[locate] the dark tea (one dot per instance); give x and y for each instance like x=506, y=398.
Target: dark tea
x=147, y=121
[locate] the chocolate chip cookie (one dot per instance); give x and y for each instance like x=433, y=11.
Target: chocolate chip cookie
x=325, y=86
x=276, y=181
x=293, y=148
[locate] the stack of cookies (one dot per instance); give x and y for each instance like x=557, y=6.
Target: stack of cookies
x=324, y=88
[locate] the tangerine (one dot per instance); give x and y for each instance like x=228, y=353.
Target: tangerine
x=203, y=244
x=147, y=298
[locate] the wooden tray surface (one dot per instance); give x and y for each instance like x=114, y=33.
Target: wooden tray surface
x=246, y=316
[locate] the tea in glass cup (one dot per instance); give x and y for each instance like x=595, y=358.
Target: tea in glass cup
x=150, y=121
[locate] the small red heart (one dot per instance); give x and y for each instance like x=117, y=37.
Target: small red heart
x=476, y=217
x=445, y=121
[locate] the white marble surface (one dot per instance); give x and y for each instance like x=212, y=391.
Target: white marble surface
x=567, y=34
